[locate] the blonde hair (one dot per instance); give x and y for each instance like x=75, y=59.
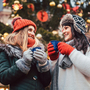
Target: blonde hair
x=20, y=39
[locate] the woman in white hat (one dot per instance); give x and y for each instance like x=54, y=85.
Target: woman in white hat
x=70, y=65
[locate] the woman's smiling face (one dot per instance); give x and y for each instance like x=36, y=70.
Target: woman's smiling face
x=31, y=32
x=66, y=30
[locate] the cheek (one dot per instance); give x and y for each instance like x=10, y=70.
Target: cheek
x=34, y=36
x=29, y=32
x=70, y=35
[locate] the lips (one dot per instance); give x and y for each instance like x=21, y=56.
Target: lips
x=31, y=36
x=65, y=34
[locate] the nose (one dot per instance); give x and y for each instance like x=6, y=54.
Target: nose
x=32, y=33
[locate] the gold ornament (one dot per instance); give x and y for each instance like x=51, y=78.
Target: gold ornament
x=65, y=1
x=13, y=15
x=77, y=3
x=89, y=2
x=82, y=3
x=4, y=4
x=5, y=34
x=52, y=3
x=68, y=10
x=16, y=2
x=16, y=7
x=88, y=20
x=80, y=14
x=59, y=6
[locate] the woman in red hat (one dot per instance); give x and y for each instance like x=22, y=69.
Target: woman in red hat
x=23, y=62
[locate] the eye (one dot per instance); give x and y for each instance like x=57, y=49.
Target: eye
x=29, y=29
x=66, y=27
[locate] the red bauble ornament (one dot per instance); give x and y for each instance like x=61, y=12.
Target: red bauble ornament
x=42, y=16
x=75, y=8
x=5, y=1
x=31, y=6
x=67, y=7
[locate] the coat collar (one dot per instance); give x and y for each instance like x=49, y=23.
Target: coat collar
x=14, y=51
x=11, y=50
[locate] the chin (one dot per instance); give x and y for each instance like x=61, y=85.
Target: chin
x=31, y=38
x=66, y=40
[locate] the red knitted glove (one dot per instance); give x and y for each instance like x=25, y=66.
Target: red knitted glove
x=51, y=52
x=65, y=48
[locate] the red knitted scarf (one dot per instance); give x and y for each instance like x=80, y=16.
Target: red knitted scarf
x=31, y=42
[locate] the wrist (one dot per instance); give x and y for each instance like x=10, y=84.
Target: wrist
x=44, y=68
x=26, y=61
x=23, y=66
x=71, y=50
x=42, y=64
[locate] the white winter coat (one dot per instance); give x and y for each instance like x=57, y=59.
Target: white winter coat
x=77, y=77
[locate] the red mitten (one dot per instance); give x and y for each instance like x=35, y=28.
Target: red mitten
x=65, y=48
x=51, y=52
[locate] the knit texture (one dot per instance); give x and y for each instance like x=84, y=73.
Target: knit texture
x=64, y=48
x=52, y=51
x=77, y=77
x=31, y=42
x=19, y=23
x=78, y=22
x=54, y=81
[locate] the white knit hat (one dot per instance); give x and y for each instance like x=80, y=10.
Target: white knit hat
x=78, y=22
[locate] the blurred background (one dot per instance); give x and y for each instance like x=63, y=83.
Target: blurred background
x=45, y=13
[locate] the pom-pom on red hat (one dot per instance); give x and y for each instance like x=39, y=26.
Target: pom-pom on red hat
x=19, y=23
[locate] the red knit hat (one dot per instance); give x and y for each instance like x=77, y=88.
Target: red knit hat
x=19, y=23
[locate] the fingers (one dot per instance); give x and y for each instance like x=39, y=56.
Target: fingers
x=50, y=45
x=51, y=52
x=29, y=51
x=30, y=57
x=39, y=54
x=38, y=57
x=60, y=45
x=50, y=49
x=64, y=48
